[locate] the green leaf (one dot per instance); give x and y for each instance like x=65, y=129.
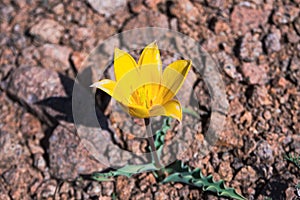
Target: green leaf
x=182, y=173
x=127, y=171
x=190, y=111
x=160, y=135
x=293, y=158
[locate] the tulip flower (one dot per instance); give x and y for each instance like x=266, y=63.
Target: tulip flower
x=142, y=88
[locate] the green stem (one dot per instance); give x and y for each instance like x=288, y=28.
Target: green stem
x=151, y=141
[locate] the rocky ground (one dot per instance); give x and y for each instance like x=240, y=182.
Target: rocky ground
x=44, y=42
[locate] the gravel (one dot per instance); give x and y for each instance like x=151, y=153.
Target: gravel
x=43, y=44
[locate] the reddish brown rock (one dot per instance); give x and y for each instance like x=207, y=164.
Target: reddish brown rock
x=272, y=41
x=42, y=91
x=264, y=116
x=59, y=9
x=152, y=3
x=285, y=14
x=29, y=56
x=221, y=4
x=264, y=152
x=107, y=8
x=47, y=30
x=254, y=74
x=244, y=19
x=7, y=62
x=185, y=11
x=55, y=57
x=297, y=25
x=235, y=107
x=124, y=187
x=82, y=33
x=148, y=18
x=137, y=6
x=221, y=27
x=251, y=47
x=47, y=189
x=145, y=19
x=246, y=119
x=228, y=137
x=227, y=63
x=225, y=171
x=20, y=178
x=71, y=155
x=290, y=193
x=260, y=96
x=246, y=177
x=293, y=37
x=296, y=143
x=77, y=59
x=4, y=196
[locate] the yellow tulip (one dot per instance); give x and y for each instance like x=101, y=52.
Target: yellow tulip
x=142, y=88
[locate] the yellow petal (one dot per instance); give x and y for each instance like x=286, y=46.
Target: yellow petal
x=151, y=57
x=105, y=85
x=123, y=62
x=173, y=77
x=136, y=111
x=171, y=108
x=137, y=83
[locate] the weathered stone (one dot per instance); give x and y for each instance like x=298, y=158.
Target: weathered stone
x=144, y=19
x=94, y=189
x=254, y=74
x=152, y=3
x=221, y=27
x=225, y=171
x=243, y=19
x=55, y=57
x=235, y=107
x=43, y=91
x=13, y=120
x=297, y=25
x=228, y=65
x=251, y=47
x=20, y=178
x=246, y=119
x=29, y=56
x=220, y=4
x=246, y=176
x=292, y=36
x=59, y=9
x=124, y=187
x=12, y=151
x=272, y=41
x=71, y=155
x=290, y=193
x=7, y=62
x=185, y=11
x=107, y=8
x=4, y=196
x=285, y=14
x=46, y=189
x=260, y=96
x=227, y=136
x=137, y=6
x=47, y=30
x=148, y=18
x=82, y=33
x=264, y=152
x=77, y=59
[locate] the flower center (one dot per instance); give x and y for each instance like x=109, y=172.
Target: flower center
x=151, y=94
